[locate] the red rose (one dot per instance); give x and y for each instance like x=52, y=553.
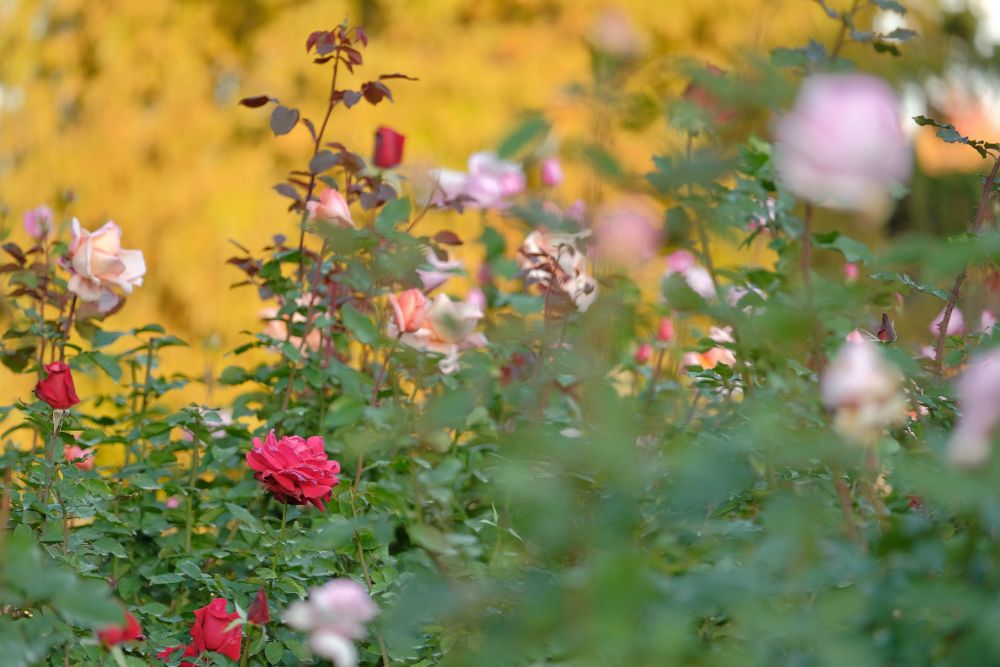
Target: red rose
x=57, y=388
x=388, y=148
x=210, y=633
x=116, y=634
x=295, y=470
x=258, y=612
x=189, y=652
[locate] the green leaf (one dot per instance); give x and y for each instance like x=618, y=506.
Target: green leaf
x=249, y=521
x=107, y=545
x=392, y=214
x=852, y=250
x=531, y=130
x=359, y=325
x=274, y=652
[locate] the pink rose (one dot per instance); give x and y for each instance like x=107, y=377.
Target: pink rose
x=665, y=332
x=851, y=272
x=408, y=310
x=80, y=457
x=978, y=393
x=295, y=470
x=439, y=273
x=643, y=353
x=331, y=207
x=447, y=328
x=697, y=277
x=38, y=222
x=956, y=323
x=335, y=615
x=99, y=265
x=626, y=232
x=843, y=144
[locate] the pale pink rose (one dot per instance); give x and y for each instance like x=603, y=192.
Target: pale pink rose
x=978, y=393
x=452, y=322
x=335, y=615
x=613, y=33
x=851, y=272
x=447, y=327
x=552, y=173
x=577, y=212
x=956, y=324
x=277, y=327
x=331, y=207
x=987, y=320
x=449, y=185
x=38, y=222
x=697, y=277
x=626, y=232
x=477, y=299
x=864, y=391
x=855, y=337
x=100, y=266
x=439, y=273
x=843, y=144
x=86, y=456
x=493, y=181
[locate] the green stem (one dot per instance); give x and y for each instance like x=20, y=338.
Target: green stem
x=281, y=538
x=50, y=456
x=245, y=654
x=192, y=490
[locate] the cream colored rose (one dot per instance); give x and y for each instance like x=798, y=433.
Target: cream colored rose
x=100, y=266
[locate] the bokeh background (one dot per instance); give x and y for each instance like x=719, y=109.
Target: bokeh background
x=129, y=109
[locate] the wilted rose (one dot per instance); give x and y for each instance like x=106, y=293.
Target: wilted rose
x=99, y=266
x=295, y=470
x=843, y=145
x=57, y=388
x=555, y=262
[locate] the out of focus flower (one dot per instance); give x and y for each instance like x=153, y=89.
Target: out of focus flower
x=173, y=502
x=408, y=310
x=697, y=277
x=987, y=320
x=613, y=33
x=57, y=388
x=335, y=616
x=439, y=273
x=767, y=221
x=863, y=391
x=331, y=207
x=552, y=173
x=665, y=331
x=643, y=353
x=626, y=232
x=843, y=145
x=716, y=355
x=112, y=635
x=477, y=299
x=38, y=222
x=489, y=184
x=258, y=613
x=886, y=332
x=978, y=394
x=851, y=272
x=554, y=262
x=100, y=266
x=388, y=151
x=277, y=326
x=447, y=327
x=700, y=95
x=855, y=336
x=80, y=457
x=956, y=324
x=295, y=470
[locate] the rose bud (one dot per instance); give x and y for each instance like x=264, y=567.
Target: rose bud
x=38, y=222
x=56, y=388
x=388, y=148
x=331, y=207
x=643, y=353
x=665, y=333
x=552, y=173
x=851, y=272
x=210, y=633
x=295, y=470
x=112, y=635
x=258, y=614
x=886, y=333
x=408, y=310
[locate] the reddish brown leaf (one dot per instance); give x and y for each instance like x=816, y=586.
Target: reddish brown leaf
x=398, y=76
x=256, y=101
x=447, y=238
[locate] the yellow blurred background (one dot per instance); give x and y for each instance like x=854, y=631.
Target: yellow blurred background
x=131, y=104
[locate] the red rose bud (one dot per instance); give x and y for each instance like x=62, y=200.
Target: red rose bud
x=643, y=353
x=209, y=630
x=886, y=333
x=388, y=148
x=57, y=388
x=665, y=332
x=258, y=614
x=116, y=634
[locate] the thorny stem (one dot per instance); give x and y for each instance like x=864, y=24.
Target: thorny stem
x=50, y=455
x=977, y=222
x=312, y=178
x=69, y=324
x=195, y=462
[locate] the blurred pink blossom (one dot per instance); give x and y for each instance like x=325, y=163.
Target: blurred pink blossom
x=331, y=207
x=86, y=456
x=626, y=232
x=489, y=183
x=956, y=324
x=855, y=336
x=864, y=391
x=987, y=320
x=335, y=615
x=439, y=273
x=716, y=355
x=643, y=353
x=665, y=331
x=696, y=276
x=552, y=173
x=38, y=222
x=978, y=393
x=843, y=145
x=851, y=272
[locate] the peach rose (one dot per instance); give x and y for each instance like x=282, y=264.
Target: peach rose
x=331, y=207
x=99, y=265
x=408, y=310
x=448, y=328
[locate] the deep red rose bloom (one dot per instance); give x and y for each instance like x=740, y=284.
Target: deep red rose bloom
x=258, y=612
x=295, y=470
x=209, y=630
x=56, y=388
x=189, y=652
x=388, y=148
x=116, y=634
